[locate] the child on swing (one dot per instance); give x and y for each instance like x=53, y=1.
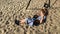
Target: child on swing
x=37, y=19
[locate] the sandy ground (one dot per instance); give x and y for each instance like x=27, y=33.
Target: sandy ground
x=16, y=9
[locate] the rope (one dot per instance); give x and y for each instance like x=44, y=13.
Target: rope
x=46, y=5
x=28, y=4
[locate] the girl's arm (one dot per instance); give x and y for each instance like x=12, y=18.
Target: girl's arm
x=41, y=19
x=22, y=21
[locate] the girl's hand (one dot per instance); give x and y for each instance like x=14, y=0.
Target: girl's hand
x=22, y=21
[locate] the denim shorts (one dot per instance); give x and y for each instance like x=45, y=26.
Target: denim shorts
x=29, y=21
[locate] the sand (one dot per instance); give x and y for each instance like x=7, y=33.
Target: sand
x=16, y=9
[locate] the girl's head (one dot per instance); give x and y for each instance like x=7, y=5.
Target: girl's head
x=42, y=12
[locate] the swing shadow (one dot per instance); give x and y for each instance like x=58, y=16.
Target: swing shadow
x=47, y=5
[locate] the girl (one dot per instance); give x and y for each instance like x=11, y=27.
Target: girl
x=38, y=18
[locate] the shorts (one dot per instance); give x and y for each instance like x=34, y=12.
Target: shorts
x=29, y=21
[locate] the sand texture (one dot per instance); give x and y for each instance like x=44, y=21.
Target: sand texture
x=16, y=9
